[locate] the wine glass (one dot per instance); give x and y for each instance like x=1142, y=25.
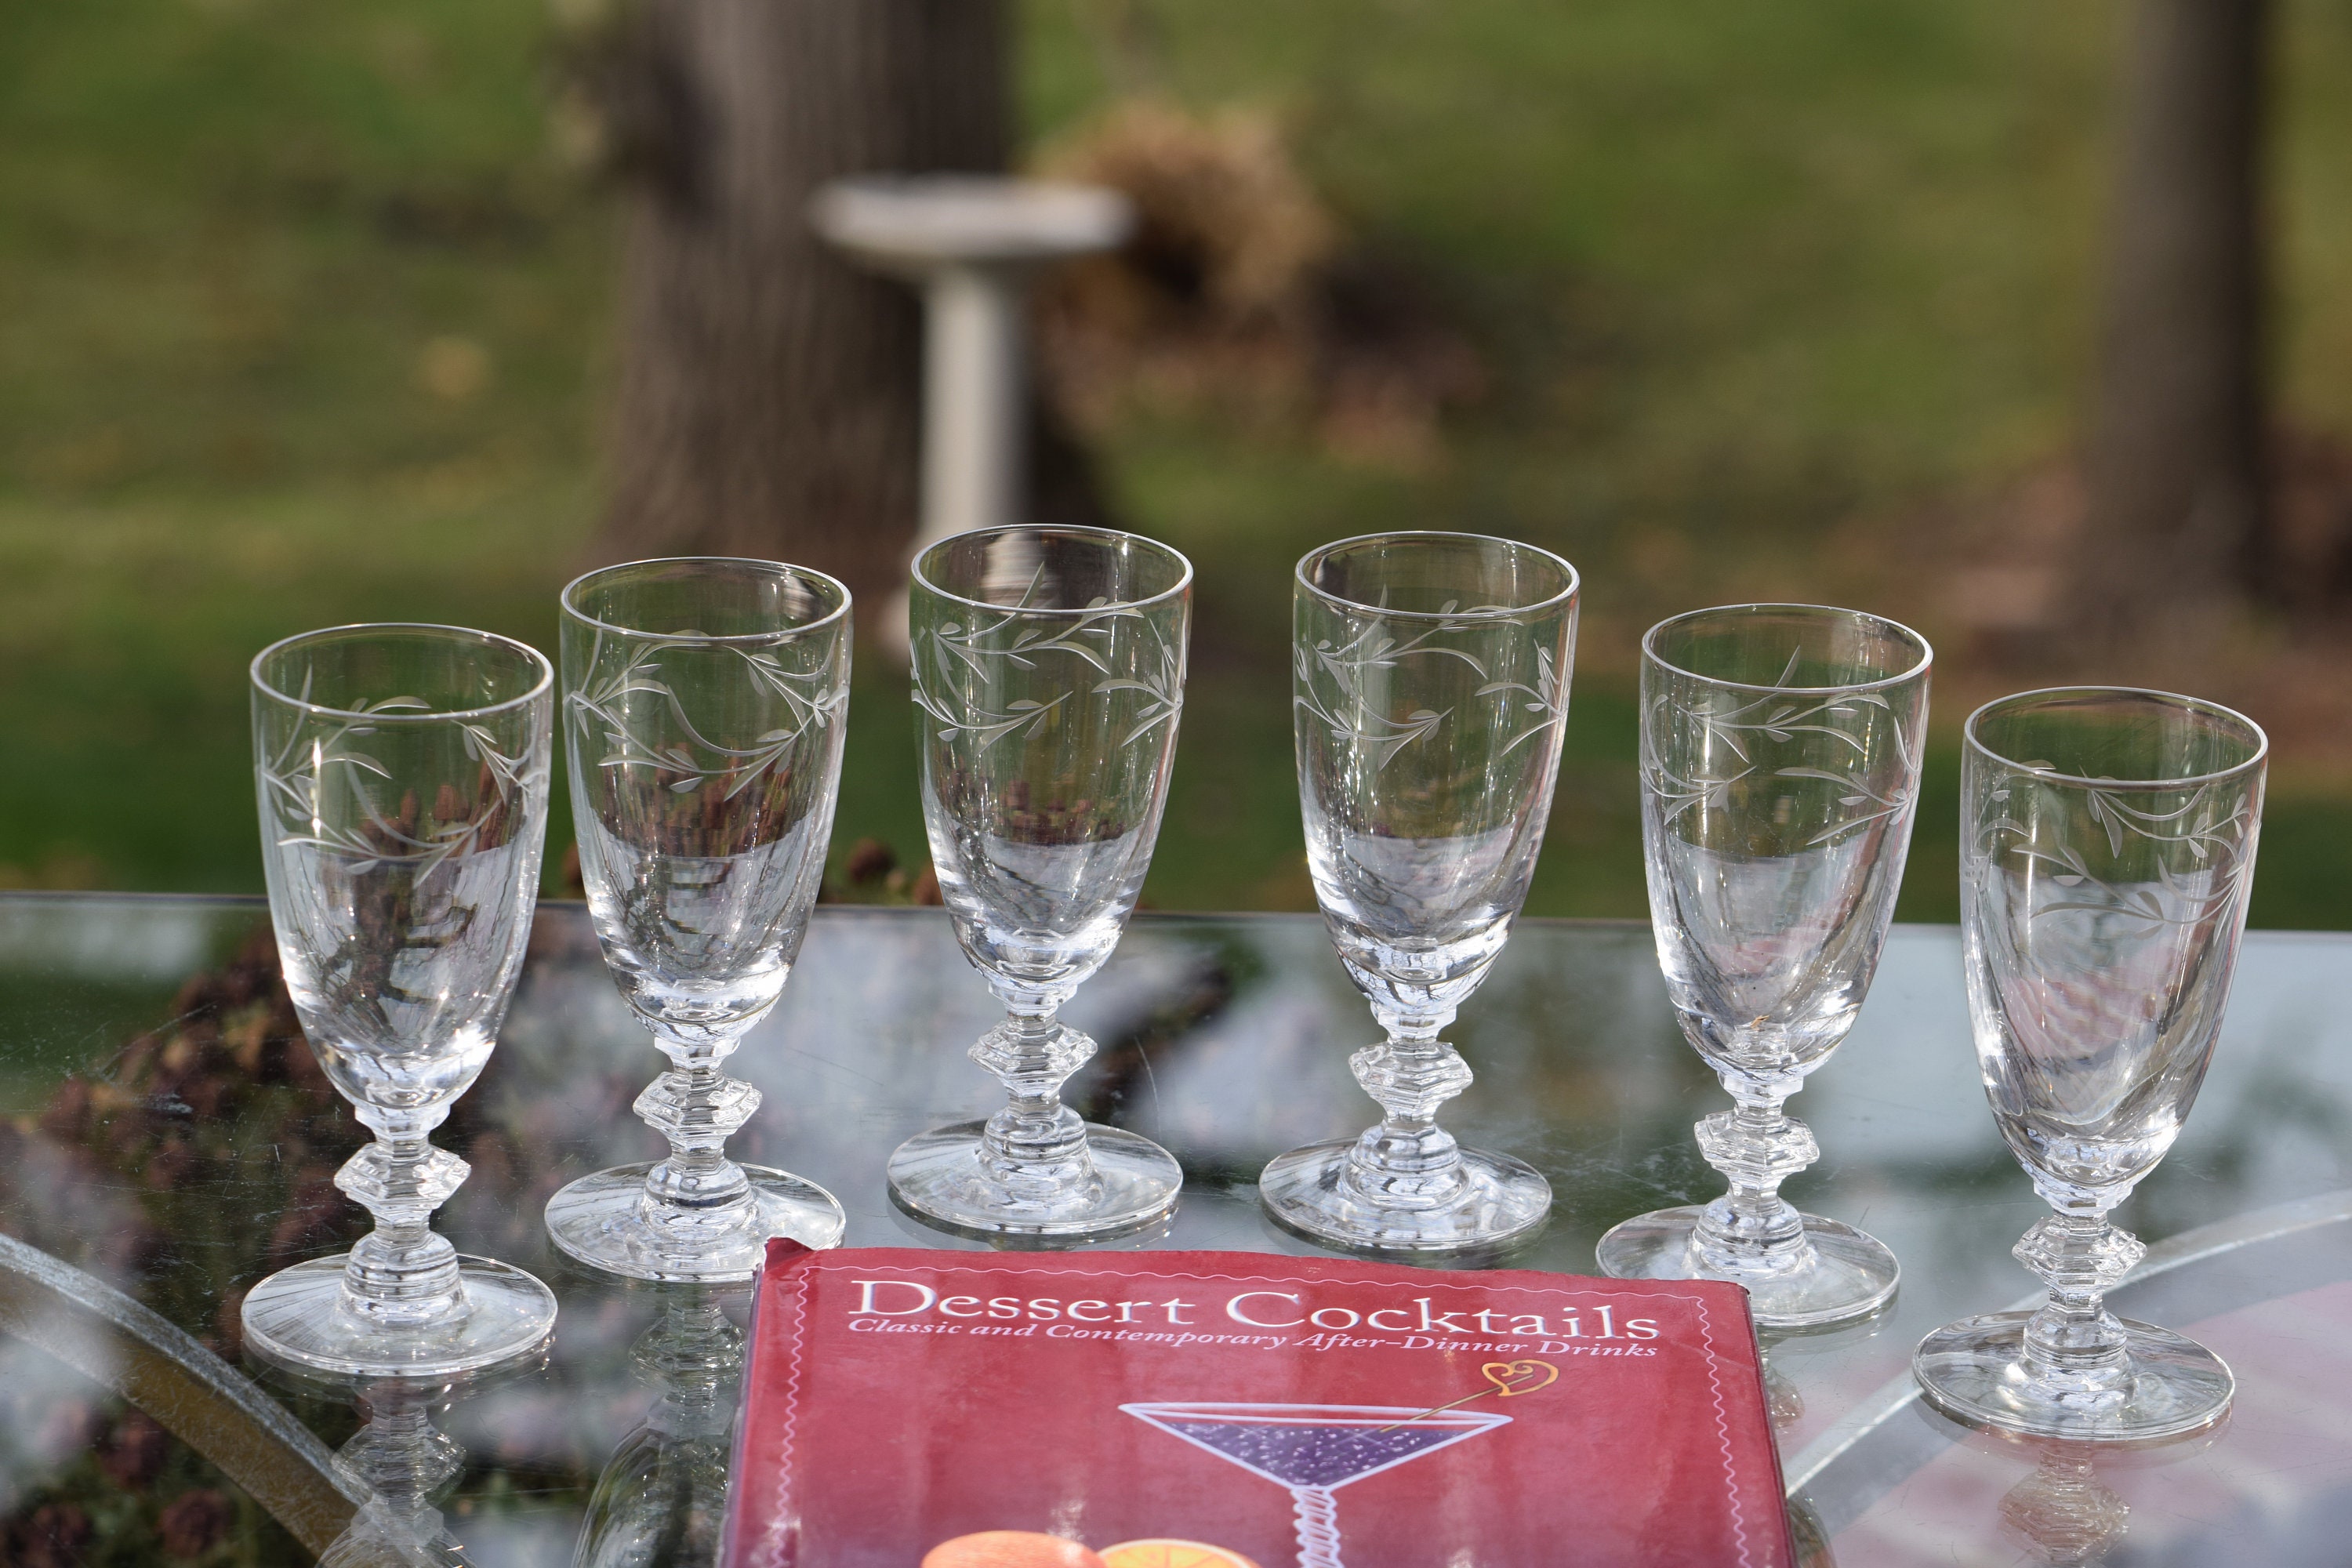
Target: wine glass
x=1048, y=668
x=1430, y=688
x=704, y=704
x=2106, y=851
x=402, y=772
x=1780, y=750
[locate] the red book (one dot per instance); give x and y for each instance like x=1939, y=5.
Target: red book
x=919, y=1409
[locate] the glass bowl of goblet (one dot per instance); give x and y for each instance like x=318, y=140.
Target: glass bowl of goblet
x=401, y=774
x=1430, y=678
x=1048, y=678
x=1780, y=753
x=704, y=705
x=2107, y=841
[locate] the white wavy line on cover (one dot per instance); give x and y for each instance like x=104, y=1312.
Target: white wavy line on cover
x=1722, y=1425
x=780, y=1523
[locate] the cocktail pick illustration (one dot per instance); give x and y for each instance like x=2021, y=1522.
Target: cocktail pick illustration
x=1313, y=1450
x=1505, y=1379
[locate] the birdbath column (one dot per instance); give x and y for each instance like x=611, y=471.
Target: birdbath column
x=972, y=244
x=975, y=378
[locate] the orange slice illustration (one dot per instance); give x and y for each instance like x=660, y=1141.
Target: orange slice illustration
x=1010, y=1549
x=1172, y=1555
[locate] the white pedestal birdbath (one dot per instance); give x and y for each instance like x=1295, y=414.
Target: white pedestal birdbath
x=972, y=244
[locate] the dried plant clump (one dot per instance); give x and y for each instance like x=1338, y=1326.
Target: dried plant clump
x=198, y=1157
x=1241, y=291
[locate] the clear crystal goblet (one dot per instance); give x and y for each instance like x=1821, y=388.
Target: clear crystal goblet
x=704, y=705
x=1430, y=689
x=1048, y=668
x=402, y=772
x=1780, y=751
x=2107, y=844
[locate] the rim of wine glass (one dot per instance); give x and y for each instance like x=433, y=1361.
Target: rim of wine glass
x=2186, y=781
x=774, y=568
x=1182, y=582
x=539, y=688
x=1926, y=650
x=1482, y=613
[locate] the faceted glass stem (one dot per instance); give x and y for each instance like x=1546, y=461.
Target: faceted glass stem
x=1408, y=1161
x=2071, y=1369
x=2076, y=1354
x=692, y=1358
x=1035, y=1168
x=696, y=1214
x=398, y=1451
x=403, y=1274
x=1757, y=1146
x=1802, y=1272
x=1035, y=1145
x=1404, y=1186
x=696, y=1108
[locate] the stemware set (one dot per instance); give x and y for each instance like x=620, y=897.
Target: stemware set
x=2107, y=846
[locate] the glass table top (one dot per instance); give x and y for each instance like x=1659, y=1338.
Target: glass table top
x=163, y=1133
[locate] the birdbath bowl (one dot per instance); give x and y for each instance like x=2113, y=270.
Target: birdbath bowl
x=970, y=242
x=913, y=224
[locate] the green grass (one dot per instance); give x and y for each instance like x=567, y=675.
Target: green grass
x=1743, y=274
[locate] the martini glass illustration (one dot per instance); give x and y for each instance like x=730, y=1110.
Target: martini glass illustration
x=1315, y=1449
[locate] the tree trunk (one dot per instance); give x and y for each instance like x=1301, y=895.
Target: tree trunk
x=2177, y=495
x=770, y=392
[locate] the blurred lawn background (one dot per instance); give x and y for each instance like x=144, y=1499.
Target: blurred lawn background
x=303, y=319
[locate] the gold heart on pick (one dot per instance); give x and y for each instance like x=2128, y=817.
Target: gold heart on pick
x=1510, y=1377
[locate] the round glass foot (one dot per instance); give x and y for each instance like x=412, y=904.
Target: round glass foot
x=607, y=1222
x=937, y=1177
x=297, y=1318
x=1843, y=1275
x=1974, y=1371
x=1307, y=1191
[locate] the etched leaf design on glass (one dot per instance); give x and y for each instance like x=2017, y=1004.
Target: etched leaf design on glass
x=320, y=758
x=2205, y=890
x=1159, y=679
x=813, y=697
x=1092, y=638
x=1548, y=696
x=1862, y=721
x=1335, y=685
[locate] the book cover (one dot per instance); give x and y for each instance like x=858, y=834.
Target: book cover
x=924, y=1409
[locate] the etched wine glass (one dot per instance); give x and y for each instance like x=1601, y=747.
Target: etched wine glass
x=402, y=772
x=704, y=704
x=1430, y=689
x=1780, y=750
x=1048, y=668
x=2107, y=844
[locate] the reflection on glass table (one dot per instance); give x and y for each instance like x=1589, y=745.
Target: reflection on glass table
x=162, y=1128
x=408, y=1463
x=662, y=1497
